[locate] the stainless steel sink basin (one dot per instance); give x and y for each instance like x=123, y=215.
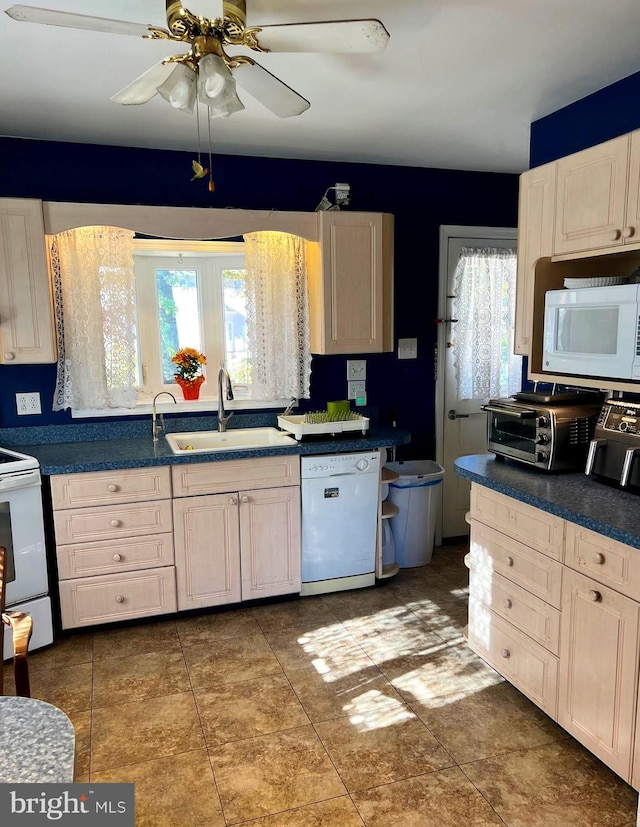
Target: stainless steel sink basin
x=239, y=439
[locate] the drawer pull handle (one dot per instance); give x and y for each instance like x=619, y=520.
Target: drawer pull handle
x=614, y=235
x=233, y=501
x=113, y=487
x=117, y=557
x=508, y=603
x=505, y=653
x=116, y=523
x=595, y=596
x=598, y=558
x=628, y=232
x=509, y=561
x=119, y=599
x=9, y=356
x=245, y=499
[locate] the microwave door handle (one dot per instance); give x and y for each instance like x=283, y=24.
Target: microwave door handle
x=629, y=455
x=594, y=447
x=526, y=414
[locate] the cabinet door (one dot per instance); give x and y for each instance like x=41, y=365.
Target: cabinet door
x=631, y=231
x=350, y=285
x=535, y=240
x=591, y=197
x=270, y=542
x=599, y=669
x=26, y=319
x=207, y=550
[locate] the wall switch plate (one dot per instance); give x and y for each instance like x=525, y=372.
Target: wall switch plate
x=407, y=348
x=28, y=403
x=356, y=389
x=356, y=369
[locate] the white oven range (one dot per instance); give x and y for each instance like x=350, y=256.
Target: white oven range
x=22, y=534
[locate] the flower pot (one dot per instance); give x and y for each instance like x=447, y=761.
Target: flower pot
x=190, y=387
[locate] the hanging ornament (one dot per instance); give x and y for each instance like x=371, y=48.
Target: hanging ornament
x=198, y=170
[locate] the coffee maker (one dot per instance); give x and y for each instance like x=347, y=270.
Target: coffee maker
x=615, y=447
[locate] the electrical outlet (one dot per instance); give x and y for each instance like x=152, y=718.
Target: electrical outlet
x=356, y=369
x=407, y=348
x=356, y=389
x=28, y=403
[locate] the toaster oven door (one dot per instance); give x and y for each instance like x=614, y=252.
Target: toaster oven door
x=512, y=432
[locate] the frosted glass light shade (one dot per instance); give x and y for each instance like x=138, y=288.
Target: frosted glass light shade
x=217, y=87
x=179, y=89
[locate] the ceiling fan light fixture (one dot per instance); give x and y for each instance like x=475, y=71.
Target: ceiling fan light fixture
x=179, y=89
x=217, y=87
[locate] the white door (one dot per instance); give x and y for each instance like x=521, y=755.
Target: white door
x=460, y=425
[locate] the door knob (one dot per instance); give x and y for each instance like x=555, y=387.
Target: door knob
x=453, y=415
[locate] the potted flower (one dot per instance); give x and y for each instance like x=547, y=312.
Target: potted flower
x=188, y=372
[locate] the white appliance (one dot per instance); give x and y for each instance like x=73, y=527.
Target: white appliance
x=340, y=495
x=593, y=331
x=22, y=534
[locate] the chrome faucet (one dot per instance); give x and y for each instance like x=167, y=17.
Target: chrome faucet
x=156, y=428
x=293, y=403
x=223, y=376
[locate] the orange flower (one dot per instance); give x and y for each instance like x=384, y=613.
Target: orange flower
x=189, y=362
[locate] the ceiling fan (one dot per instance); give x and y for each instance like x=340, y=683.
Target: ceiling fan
x=206, y=71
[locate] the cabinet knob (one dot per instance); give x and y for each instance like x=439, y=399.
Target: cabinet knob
x=508, y=603
x=116, y=523
x=245, y=499
x=117, y=557
x=9, y=357
x=509, y=561
x=113, y=487
x=505, y=653
x=119, y=599
x=628, y=232
x=233, y=501
x=598, y=558
x=614, y=235
x=595, y=596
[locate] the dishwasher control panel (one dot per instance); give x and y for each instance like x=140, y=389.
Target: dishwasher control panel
x=328, y=465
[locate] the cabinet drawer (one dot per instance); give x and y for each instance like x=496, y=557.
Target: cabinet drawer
x=529, y=525
x=520, y=564
x=110, y=487
x=607, y=561
x=235, y=475
x=82, y=525
x=111, y=556
x=528, y=613
x=89, y=601
x=526, y=664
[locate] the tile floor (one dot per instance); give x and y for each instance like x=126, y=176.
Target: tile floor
x=360, y=708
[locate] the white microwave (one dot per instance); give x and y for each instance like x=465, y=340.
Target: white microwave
x=593, y=331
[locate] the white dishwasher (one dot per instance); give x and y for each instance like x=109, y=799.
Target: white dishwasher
x=340, y=494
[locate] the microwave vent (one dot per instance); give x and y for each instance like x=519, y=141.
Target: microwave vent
x=581, y=430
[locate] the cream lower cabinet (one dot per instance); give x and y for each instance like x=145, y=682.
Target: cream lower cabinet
x=238, y=544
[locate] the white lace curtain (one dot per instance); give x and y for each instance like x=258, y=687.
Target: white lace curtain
x=96, y=318
x=485, y=291
x=277, y=315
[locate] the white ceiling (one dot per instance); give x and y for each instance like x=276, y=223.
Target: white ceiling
x=457, y=86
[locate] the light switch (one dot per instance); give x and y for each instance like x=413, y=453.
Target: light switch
x=407, y=348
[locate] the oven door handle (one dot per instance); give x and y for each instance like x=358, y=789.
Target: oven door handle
x=526, y=414
x=20, y=479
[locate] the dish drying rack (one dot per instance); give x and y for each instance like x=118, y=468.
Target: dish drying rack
x=322, y=422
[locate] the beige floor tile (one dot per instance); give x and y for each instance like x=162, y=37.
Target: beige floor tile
x=483, y=724
x=362, y=693
x=66, y=651
x=309, y=614
x=222, y=625
x=176, y=791
x=82, y=728
x=120, y=680
x=272, y=773
x=558, y=785
x=440, y=799
x=249, y=708
x=394, y=636
x=534, y=712
x=433, y=587
x=337, y=812
x=239, y=659
x=332, y=652
x=68, y=687
x=360, y=603
x=389, y=746
x=136, y=640
x=133, y=732
x=447, y=620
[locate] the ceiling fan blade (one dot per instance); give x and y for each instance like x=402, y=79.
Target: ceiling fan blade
x=332, y=36
x=50, y=17
x=144, y=87
x=269, y=90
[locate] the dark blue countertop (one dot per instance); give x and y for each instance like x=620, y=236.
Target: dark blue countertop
x=574, y=497
x=132, y=451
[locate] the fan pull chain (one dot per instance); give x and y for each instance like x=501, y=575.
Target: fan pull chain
x=198, y=170
x=212, y=185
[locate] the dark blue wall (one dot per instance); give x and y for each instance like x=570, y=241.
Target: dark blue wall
x=420, y=199
x=607, y=113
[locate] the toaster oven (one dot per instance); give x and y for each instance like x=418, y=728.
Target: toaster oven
x=554, y=436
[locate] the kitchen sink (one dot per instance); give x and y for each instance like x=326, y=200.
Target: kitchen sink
x=239, y=439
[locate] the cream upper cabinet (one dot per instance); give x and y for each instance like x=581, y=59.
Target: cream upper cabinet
x=591, y=205
x=536, y=212
x=26, y=319
x=351, y=283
